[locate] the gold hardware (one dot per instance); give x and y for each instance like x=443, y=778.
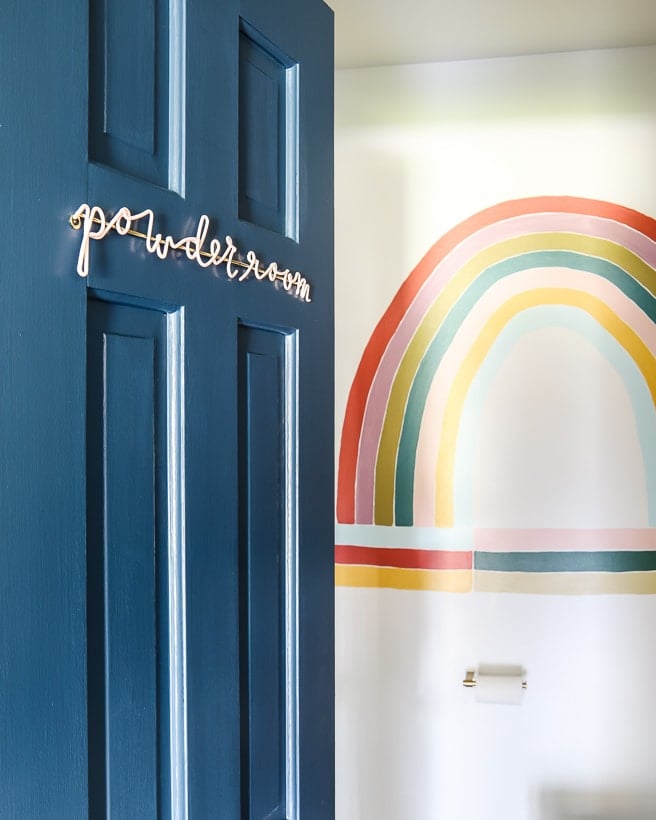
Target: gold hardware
x=470, y=680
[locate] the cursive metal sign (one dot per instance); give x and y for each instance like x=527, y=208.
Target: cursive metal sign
x=96, y=224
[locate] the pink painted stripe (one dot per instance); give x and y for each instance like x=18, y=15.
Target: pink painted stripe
x=402, y=558
x=379, y=392
x=563, y=540
x=431, y=427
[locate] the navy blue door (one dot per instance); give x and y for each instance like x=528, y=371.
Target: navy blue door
x=166, y=469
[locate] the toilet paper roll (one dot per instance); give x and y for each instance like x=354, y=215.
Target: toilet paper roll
x=506, y=689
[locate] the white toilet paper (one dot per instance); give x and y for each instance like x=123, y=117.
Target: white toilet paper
x=506, y=689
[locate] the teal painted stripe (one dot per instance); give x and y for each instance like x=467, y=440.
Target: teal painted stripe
x=405, y=465
x=418, y=538
x=621, y=561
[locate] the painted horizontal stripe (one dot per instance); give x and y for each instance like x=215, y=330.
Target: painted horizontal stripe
x=492, y=539
x=421, y=538
x=563, y=540
x=616, y=561
x=530, y=583
x=402, y=558
x=408, y=579
x=566, y=583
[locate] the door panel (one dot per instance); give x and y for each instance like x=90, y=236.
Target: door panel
x=134, y=697
x=129, y=60
x=268, y=135
x=191, y=619
x=268, y=573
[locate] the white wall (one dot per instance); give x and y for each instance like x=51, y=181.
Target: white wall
x=418, y=149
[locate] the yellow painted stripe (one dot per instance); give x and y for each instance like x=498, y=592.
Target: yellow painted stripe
x=532, y=583
x=391, y=431
x=566, y=583
x=599, y=310
x=411, y=579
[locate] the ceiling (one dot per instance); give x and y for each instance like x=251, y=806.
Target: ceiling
x=389, y=32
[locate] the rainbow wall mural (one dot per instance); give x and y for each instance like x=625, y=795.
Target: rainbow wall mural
x=404, y=506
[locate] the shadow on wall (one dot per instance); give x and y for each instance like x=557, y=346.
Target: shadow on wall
x=618, y=804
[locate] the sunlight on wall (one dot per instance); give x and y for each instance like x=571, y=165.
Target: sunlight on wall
x=419, y=149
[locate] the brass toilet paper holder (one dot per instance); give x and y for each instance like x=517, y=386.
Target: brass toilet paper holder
x=470, y=679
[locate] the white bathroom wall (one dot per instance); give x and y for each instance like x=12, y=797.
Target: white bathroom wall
x=419, y=149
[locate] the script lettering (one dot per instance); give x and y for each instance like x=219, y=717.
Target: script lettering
x=96, y=225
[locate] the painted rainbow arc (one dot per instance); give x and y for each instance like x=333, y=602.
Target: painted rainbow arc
x=593, y=257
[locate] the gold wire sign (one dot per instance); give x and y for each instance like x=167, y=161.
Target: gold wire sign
x=96, y=224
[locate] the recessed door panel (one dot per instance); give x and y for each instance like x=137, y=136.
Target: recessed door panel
x=268, y=573
x=129, y=70
x=268, y=134
x=131, y=580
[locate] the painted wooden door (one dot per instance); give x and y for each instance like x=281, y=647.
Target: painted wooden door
x=166, y=478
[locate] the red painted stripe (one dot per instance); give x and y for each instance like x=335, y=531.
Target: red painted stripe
x=386, y=327
x=403, y=558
